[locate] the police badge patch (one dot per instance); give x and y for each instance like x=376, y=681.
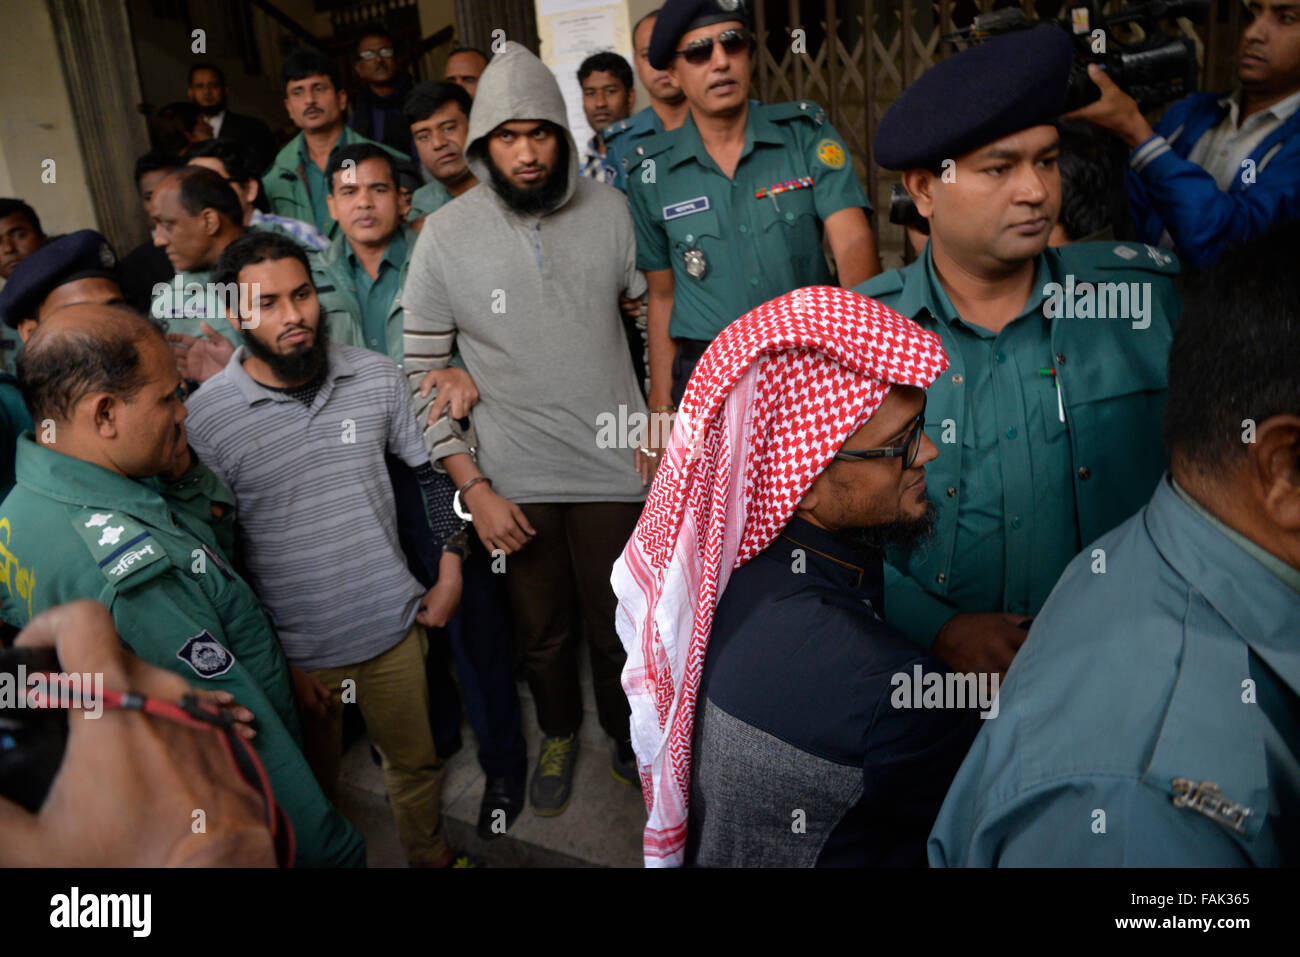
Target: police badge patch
x=206, y=656
x=831, y=154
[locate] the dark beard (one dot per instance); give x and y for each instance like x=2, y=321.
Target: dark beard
x=904, y=534
x=212, y=110
x=540, y=199
x=297, y=368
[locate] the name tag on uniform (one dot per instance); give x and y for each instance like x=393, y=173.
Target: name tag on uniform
x=677, y=210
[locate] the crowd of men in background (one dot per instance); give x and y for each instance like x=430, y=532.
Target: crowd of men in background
x=383, y=458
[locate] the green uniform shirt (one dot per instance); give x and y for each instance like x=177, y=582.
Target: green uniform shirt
x=296, y=187
x=187, y=301
x=366, y=314
x=754, y=249
x=11, y=343
x=72, y=530
x=14, y=421
x=316, y=186
x=1002, y=520
x=1166, y=654
x=426, y=199
x=621, y=138
x=1017, y=489
x=376, y=295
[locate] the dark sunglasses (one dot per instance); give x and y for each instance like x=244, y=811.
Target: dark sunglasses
x=733, y=43
x=907, y=451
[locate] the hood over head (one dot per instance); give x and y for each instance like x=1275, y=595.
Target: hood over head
x=517, y=86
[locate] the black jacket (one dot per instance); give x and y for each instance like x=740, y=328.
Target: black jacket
x=254, y=134
x=800, y=756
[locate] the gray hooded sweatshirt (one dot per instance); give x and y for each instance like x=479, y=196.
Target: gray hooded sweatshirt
x=532, y=305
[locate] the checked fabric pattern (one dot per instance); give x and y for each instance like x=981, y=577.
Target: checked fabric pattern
x=770, y=403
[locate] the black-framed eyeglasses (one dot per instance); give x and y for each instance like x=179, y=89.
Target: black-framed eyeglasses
x=733, y=43
x=385, y=52
x=908, y=451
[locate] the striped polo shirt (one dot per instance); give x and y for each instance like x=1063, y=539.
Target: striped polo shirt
x=317, y=520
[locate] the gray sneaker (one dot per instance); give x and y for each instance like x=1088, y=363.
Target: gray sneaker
x=552, y=783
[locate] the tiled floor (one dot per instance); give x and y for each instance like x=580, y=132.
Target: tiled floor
x=601, y=827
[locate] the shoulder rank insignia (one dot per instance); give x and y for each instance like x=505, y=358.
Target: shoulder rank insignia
x=1159, y=257
x=119, y=544
x=1205, y=798
x=831, y=154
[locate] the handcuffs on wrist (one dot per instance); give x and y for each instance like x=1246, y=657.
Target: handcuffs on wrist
x=456, y=505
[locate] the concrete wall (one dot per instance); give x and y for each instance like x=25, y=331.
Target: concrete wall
x=36, y=123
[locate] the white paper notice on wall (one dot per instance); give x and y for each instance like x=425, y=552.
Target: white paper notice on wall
x=550, y=8
x=572, y=30
x=579, y=35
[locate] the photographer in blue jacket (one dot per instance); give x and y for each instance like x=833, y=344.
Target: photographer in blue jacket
x=1217, y=169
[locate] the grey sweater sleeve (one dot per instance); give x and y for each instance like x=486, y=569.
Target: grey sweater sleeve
x=429, y=337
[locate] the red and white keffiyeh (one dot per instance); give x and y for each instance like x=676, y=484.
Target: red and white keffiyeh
x=768, y=406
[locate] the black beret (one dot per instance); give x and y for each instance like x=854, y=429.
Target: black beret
x=681, y=16
x=78, y=255
x=985, y=92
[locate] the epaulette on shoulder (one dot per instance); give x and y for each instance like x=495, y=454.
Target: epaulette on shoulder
x=885, y=284
x=125, y=551
x=1080, y=257
x=615, y=130
x=796, y=109
x=652, y=146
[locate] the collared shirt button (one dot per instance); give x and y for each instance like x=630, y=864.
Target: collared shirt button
x=1011, y=432
x=941, y=578
x=1000, y=356
x=790, y=217
x=1085, y=473
x=744, y=228
x=957, y=379
x=690, y=237
x=952, y=491
x=753, y=280
x=1060, y=358
x=1015, y=521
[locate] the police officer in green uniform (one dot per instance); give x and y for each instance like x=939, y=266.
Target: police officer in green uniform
x=730, y=208
x=78, y=267
x=1047, y=420
x=1152, y=718
x=359, y=278
x=110, y=505
x=667, y=109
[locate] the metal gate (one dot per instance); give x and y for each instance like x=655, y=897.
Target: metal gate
x=855, y=72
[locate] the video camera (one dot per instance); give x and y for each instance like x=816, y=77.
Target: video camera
x=1154, y=69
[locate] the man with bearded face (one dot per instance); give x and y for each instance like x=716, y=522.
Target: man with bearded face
x=522, y=274
x=298, y=428
x=118, y=510
x=765, y=684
